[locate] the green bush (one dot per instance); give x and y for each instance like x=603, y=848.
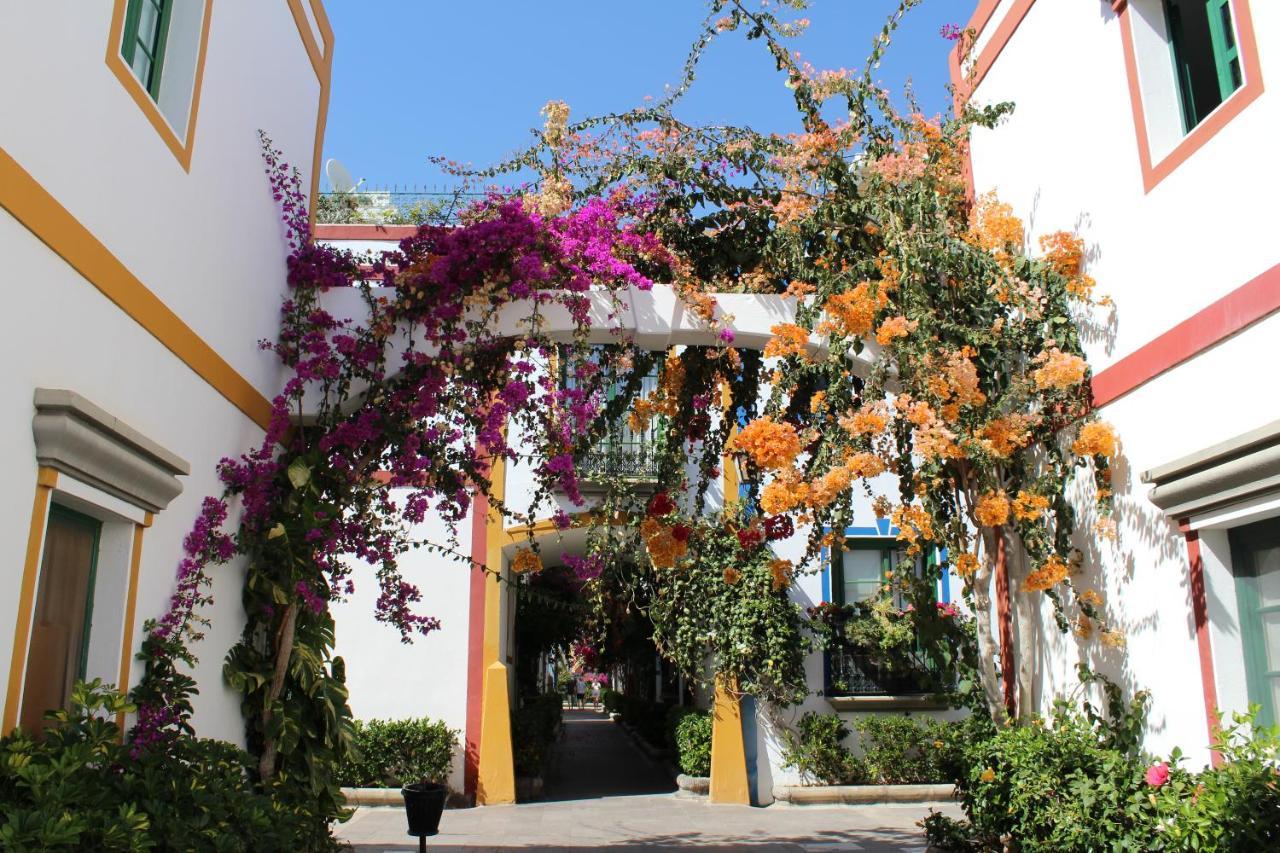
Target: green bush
x=817, y=750
x=391, y=753
x=612, y=701
x=1079, y=782
x=898, y=750
x=693, y=742
x=648, y=718
x=80, y=788
x=534, y=728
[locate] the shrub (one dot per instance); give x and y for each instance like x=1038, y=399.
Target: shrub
x=817, y=750
x=80, y=788
x=693, y=742
x=390, y=753
x=612, y=701
x=899, y=750
x=648, y=718
x=1078, y=782
x=534, y=728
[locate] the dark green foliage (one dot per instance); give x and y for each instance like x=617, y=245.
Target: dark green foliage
x=611, y=700
x=899, y=750
x=80, y=789
x=535, y=725
x=648, y=718
x=391, y=753
x=817, y=750
x=693, y=743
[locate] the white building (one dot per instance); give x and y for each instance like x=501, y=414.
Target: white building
x=1145, y=125
x=129, y=165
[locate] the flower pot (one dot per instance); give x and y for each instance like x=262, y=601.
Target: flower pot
x=423, y=804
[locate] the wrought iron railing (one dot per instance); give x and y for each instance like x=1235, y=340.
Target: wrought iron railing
x=853, y=673
x=630, y=458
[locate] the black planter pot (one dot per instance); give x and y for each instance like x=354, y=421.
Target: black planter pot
x=423, y=805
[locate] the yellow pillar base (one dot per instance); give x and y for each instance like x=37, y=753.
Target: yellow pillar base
x=496, y=779
x=728, y=752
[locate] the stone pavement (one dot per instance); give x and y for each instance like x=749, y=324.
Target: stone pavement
x=603, y=793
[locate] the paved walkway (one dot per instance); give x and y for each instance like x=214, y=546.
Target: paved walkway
x=602, y=794
x=596, y=758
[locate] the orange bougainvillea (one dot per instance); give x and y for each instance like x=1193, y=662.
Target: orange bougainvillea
x=1063, y=251
x=526, y=561
x=966, y=564
x=854, y=311
x=788, y=339
x=1096, y=439
x=770, y=444
x=893, y=328
x=1060, y=370
x=1005, y=435
x=784, y=493
x=1050, y=573
x=869, y=420
x=781, y=571
x=992, y=509
x=1028, y=506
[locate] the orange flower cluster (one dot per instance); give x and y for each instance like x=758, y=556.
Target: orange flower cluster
x=770, y=444
x=800, y=289
x=931, y=437
x=732, y=576
x=1090, y=597
x=1052, y=572
x=1059, y=369
x=993, y=227
x=893, y=328
x=784, y=493
x=793, y=205
x=664, y=401
x=788, y=339
x=865, y=465
x=817, y=401
x=1063, y=251
x=663, y=546
x=828, y=487
x=1028, y=506
x=966, y=564
x=781, y=571
x=869, y=420
x=1095, y=439
x=915, y=526
x=1002, y=436
x=526, y=560
x=992, y=509
x=854, y=311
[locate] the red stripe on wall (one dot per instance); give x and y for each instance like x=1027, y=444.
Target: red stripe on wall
x=1199, y=607
x=1231, y=314
x=475, y=642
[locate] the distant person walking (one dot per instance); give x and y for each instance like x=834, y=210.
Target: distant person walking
x=595, y=695
x=580, y=685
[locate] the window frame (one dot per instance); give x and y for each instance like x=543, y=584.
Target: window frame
x=129, y=44
x=884, y=544
x=1242, y=541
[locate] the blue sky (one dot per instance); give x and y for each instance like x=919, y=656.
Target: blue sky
x=466, y=80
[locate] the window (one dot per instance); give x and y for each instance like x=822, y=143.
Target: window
x=146, y=31
x=59, y=649
x=1255, y=557
x=1206, y=58
x=863, y=568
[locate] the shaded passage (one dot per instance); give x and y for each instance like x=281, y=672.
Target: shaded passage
x=596, y=758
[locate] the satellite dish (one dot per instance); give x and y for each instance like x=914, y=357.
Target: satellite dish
x=339, y=178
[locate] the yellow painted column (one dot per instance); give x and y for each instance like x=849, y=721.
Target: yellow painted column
x=729, y=782
x=496, y=777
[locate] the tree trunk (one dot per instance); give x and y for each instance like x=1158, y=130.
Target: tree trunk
x=1008, y=643
x=1027, y=633
x=284, y=651
x=987, y=676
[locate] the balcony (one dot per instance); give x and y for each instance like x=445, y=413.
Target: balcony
x=627, y=458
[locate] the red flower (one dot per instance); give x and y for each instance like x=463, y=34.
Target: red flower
x=681, y=532
x=661, y=504
x=778, y=527
x=1157, y=774
x=749, y=537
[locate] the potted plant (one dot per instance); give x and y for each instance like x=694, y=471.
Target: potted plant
x=423, y=805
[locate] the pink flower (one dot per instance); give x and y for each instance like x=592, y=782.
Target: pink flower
x=1158, y=774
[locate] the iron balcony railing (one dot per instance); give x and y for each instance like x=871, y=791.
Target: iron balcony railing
x=853, y=673
x=630, y=458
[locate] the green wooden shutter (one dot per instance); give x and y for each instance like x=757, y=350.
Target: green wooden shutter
x=1254, y=553
x=146, y=31
x=1226, y=53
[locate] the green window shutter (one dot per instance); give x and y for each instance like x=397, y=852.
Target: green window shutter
x=146, y=31
x=1255, y=559
x=1226, y=53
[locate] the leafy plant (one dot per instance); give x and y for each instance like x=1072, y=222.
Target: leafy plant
x=817, y=750
x=390, y=753
x=535, y=726
x=898, y=750
x=693, y=743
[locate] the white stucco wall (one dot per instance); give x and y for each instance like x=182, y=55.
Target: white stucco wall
x=1068, y=159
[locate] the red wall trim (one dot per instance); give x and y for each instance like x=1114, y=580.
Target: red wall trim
x=1154, y=173
x=1200, y=610
x=475, y=641
x=1209, y=327
x=365, y=232
x=1008, y=25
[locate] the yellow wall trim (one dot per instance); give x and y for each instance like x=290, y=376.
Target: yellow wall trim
x=181, y=148
x=54, y=225
x=321, y=56
x=46, y=479
x=131, y=609
x=729, y=782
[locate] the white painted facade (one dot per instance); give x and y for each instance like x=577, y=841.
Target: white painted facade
x=1166, y=248
x=162, y=300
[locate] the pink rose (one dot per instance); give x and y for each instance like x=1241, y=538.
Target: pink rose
x=1158, y=774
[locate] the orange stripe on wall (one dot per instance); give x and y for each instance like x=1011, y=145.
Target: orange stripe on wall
x=1200, y=610
x=54, y=226
x=46, y=479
